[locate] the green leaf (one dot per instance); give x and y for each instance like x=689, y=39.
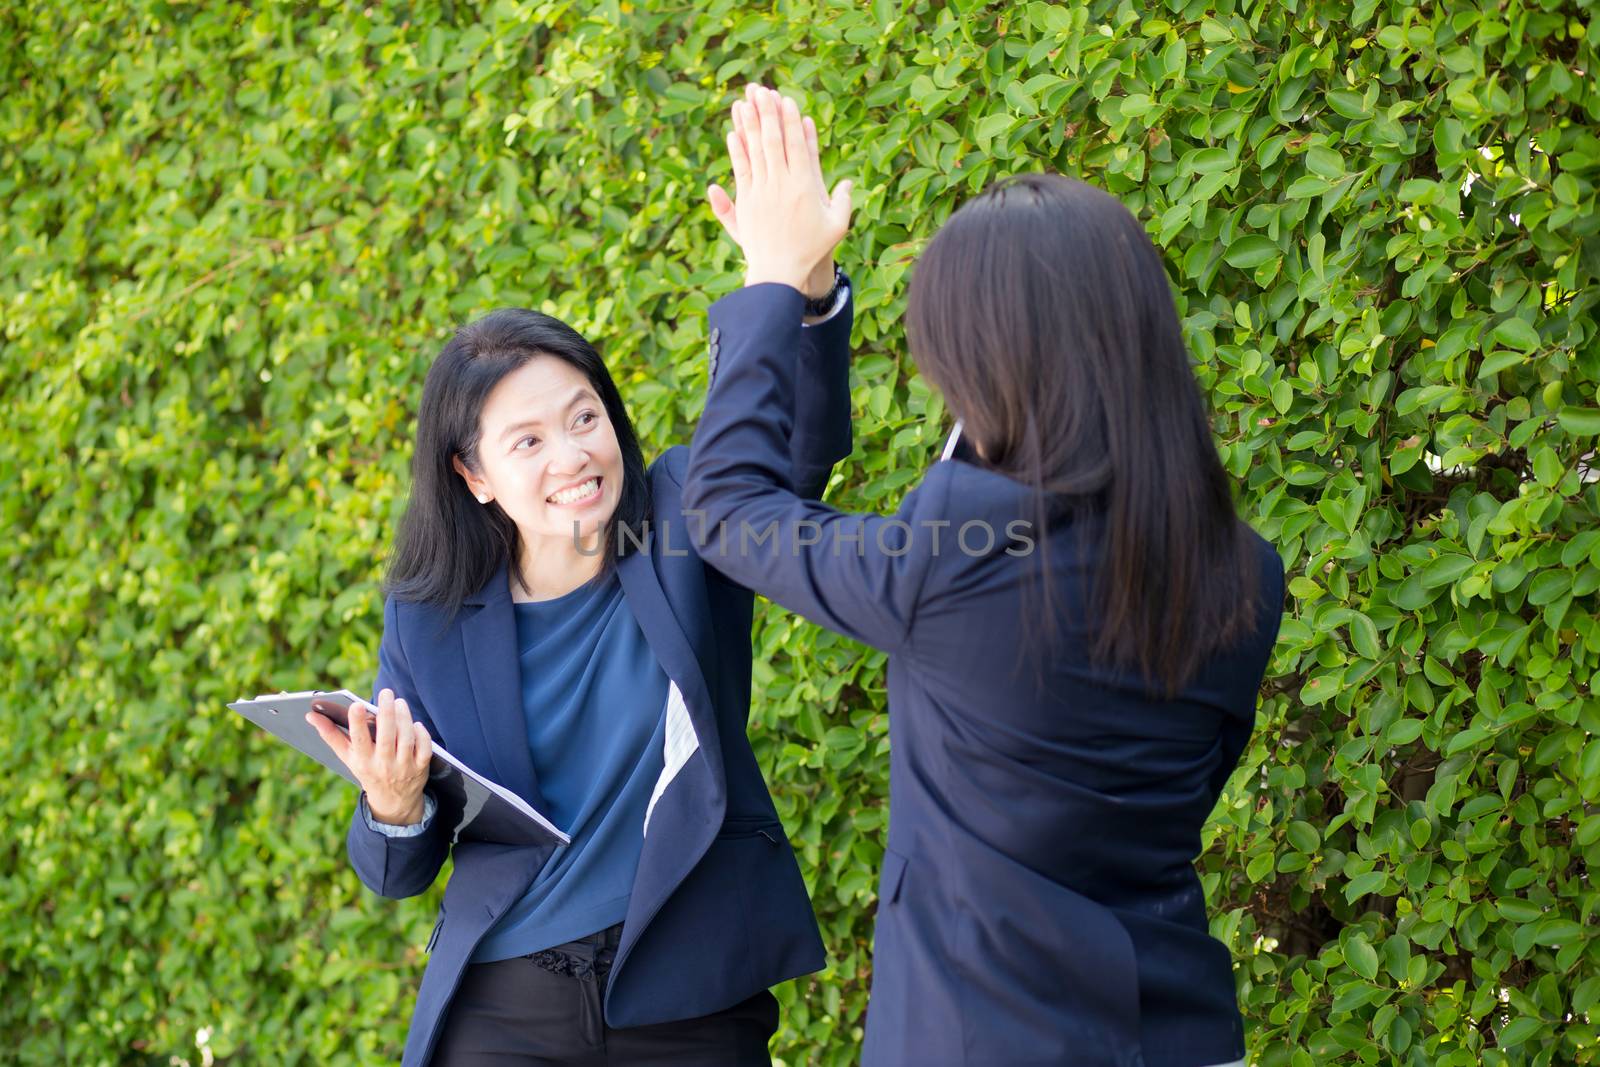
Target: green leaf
x=1282, y=395
x=1548, y=586
x=1518, y=1031
x=1260, y=866
x=992, y=126
x=1346, y=104
x=1363, y=884
x=1446, y=569
x=1495, y=362
x=1517, y=910
x=1306, y=186
x=1403, y=732
x=1135, y=104
x=1555, y=931
x=1580, y=422
x=1303, y=836
x=1251, y=251
x=1324, y=161
x=1518, y=334
x=1364, y=636
x=1207, y=161
x=1547, y=468
x=1362, y=957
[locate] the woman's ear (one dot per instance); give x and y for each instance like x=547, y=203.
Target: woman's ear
x=478, y=487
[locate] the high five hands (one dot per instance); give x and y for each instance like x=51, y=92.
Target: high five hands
x=781, y=215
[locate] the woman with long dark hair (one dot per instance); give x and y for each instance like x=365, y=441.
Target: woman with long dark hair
x=548, y=624
x=1077, y=620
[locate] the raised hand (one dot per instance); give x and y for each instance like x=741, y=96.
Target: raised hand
x=782, y=215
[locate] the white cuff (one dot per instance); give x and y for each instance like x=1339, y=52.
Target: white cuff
x=390, y=830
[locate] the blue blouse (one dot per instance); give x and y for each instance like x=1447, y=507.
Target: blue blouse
x=593, y=697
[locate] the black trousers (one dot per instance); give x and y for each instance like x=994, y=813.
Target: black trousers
x=544, y=1009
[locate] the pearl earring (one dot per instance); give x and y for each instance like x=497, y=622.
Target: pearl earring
x=483, y=498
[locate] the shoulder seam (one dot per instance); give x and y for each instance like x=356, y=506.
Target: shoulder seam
x=399, y=639
x=922, y=582
x=664, y=461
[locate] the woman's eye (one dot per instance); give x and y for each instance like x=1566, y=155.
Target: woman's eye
x=527, y=442
x=588, y=418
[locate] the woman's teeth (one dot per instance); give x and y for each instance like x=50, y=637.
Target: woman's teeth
x=576, y=493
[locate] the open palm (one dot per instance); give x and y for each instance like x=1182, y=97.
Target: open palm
x=782, y=216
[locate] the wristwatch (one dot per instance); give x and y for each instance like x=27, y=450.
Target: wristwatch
x=824, y=303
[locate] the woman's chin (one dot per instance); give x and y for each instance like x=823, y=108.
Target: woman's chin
x=583, y=525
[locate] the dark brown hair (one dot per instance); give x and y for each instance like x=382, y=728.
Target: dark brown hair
x=1042, y=312
x=449, y=545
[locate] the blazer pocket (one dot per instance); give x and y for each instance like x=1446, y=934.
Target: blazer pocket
x=737, y=826
x=894, y=872
x=433, y=938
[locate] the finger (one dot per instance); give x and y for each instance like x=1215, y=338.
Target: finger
x=422, y=745
x=403, y=738
x=839, y=205
x=771, y=131
x=360, y=734
x=331, y=736
x=755, y=148
x=794, y=136
x=742, y=134
x=722, y=208
x=815, y=153
x=741, y=162
x=383, y=745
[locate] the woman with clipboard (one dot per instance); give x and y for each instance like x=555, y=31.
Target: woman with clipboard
x=548, y=623
x=1077, y=621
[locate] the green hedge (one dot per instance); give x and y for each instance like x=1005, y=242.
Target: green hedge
x=233, y=239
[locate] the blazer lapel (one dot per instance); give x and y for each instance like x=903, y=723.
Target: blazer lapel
x=693, y=794
x=489, y=642
x=641, y=586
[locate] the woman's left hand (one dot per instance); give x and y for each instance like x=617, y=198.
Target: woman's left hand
x=783, y=217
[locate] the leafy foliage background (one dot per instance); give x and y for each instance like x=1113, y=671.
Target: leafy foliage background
x=233, y=238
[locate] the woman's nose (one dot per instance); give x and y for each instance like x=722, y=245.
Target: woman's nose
x=570, y=457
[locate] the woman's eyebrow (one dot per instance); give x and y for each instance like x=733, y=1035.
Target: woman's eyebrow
x=583, y=393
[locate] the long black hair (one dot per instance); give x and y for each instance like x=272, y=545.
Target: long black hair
x=448, y=544
x=1043, y=313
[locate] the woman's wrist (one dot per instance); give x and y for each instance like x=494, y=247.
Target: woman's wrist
x=820, y=284
x=395, y=816
x=780, y=269
x=813, y=284
x=797, y=280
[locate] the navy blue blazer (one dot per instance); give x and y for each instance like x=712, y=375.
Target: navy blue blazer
x=719, y=910
x=1038, y=902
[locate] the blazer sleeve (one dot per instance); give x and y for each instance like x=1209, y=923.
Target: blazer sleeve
x=858, y=574
x=388, y=865
x=822, y=434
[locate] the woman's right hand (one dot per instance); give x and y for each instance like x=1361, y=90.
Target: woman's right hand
x=783, y=218
x=392, y=767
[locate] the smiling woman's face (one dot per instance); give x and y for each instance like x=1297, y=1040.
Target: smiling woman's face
x=547, y=453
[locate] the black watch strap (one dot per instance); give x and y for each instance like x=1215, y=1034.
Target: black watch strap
x=824, y=304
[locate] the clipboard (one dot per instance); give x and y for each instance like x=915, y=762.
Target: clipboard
x=474, y=807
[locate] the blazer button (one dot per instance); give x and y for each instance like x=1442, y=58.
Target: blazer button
x=716, y=335
x=713, y=363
